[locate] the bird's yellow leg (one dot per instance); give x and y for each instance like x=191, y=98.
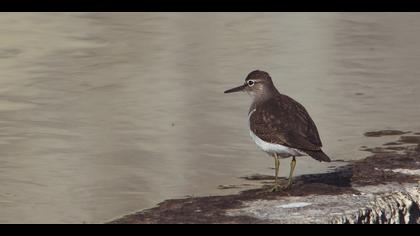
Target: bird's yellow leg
x=292, y=169
x=276, y=179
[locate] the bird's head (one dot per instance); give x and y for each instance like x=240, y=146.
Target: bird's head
x=258, y=84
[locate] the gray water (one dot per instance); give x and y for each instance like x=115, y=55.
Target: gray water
x=103, y=114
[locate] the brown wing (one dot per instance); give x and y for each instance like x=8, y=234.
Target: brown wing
x=284, y=121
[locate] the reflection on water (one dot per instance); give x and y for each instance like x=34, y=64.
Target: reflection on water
x=102, y=114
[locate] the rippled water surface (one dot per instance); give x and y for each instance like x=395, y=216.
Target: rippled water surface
x=102, y=114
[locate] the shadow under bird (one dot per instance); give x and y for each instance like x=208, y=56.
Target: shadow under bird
x=279, y=125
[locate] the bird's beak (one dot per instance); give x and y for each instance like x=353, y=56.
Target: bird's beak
x=237, y=89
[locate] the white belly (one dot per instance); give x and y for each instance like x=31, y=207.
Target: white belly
x=272, y=148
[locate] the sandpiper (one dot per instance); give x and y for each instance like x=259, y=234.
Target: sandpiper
x=279, y=125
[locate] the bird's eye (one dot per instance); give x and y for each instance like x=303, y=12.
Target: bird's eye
x=250, y=82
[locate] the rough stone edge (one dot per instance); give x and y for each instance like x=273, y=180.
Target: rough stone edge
x=389, y=208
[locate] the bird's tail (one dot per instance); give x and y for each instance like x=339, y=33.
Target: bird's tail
x=318, y=155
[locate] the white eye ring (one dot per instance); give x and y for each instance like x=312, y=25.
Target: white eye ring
x=250, y=83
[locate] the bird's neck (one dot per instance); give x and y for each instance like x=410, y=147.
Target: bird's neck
x=264, y=97
x=265, y=94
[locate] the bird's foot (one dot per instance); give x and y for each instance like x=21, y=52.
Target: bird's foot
x=275, y=188
x=288, y=186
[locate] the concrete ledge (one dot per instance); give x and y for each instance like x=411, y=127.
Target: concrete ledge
x=391, y=203
x=383, y=188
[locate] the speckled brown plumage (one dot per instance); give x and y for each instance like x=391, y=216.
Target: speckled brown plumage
x=279, y=119
x=282, y=120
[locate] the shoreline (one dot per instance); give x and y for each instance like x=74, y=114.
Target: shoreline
x=382, y=188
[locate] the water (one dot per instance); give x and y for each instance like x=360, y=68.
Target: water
x=103, y=114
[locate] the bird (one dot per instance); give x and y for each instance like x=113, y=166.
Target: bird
x=279, y=125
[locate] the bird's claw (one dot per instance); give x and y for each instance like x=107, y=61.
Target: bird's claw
x=275, y=188
x=287, y=187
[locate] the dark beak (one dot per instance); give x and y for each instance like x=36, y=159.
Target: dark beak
x=237, y=89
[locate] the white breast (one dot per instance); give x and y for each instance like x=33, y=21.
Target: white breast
x=272, y=148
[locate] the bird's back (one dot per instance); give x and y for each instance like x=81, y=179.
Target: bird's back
x=297, y=118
